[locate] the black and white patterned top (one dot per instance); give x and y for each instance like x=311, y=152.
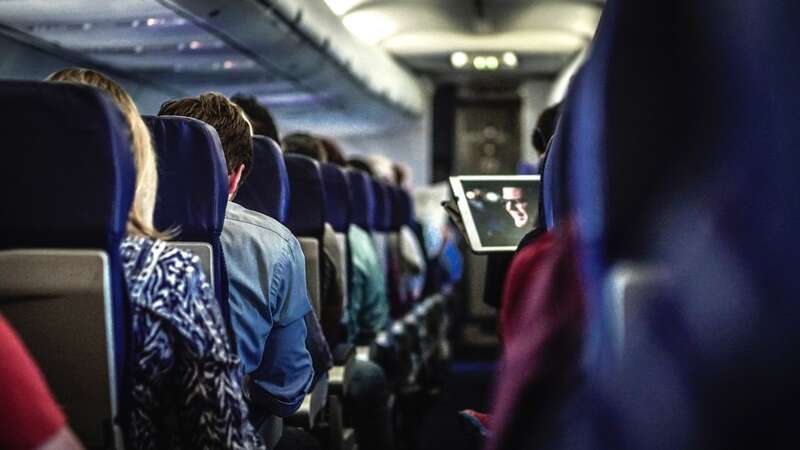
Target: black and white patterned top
x=186, y=381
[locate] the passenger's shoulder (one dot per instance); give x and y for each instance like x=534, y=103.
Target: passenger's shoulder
x=257, y=223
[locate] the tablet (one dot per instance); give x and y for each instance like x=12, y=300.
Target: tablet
x=497, y=211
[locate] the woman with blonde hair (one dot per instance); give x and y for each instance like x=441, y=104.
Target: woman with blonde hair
x=186, y=381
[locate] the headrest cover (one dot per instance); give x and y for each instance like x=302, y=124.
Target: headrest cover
x=337, y=197
x=193, y=177
x=67, y=174
x=363, y=207
x=266, y=189
x=383, y=207
x=307, y=201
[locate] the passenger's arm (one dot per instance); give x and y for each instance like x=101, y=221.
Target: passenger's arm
x=286, y=371
x=208, y=373
x=29, y=416
x=64, y=439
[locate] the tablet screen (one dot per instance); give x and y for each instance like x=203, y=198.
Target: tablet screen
x=497, y=211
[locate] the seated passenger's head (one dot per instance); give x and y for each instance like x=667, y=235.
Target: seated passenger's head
x=235, y=132
x=140, y=218
x=305, y=144
x=335, y=154
x=360, y=164
x=545, y=128
x=259, y=116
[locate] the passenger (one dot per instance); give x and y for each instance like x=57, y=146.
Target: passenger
x=332, y=150
x=368, y=306
x=30, y=418
x=305, y=144
x=262, y=121
x=266, y=270
x=186, y=382
x=331, y=289
x=367, y=399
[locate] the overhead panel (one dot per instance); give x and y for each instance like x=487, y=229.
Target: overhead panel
x=229, y=46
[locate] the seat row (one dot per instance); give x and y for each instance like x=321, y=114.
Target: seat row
x=61, y=247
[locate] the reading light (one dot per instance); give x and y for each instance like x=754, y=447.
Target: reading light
x=459, y=59
x=510, y=59
x=492, y=63
x=479, y=62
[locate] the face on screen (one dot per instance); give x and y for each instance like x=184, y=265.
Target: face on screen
x=503, y=211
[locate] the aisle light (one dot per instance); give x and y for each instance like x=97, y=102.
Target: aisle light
x=459, y=59
x=510, y=59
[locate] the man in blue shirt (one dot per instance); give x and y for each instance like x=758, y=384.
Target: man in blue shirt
x=266, y=272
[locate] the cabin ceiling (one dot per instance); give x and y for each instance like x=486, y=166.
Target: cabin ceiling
x=424, y=34
x=338, y=66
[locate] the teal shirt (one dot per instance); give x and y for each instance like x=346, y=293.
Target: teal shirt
x=368, y=305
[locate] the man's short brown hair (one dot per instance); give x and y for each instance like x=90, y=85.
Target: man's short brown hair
x=226, y=117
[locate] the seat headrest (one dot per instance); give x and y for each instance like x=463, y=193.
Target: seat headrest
x=382, y=220
x=193, y=177
x=406, y=208
x=398, y=215
x=307, y=200
x=266, y=189
x=363, y=210
x=68, y=174
x=337, y=197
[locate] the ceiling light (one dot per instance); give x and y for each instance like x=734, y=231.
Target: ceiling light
x=152, y=21
x=492, y=63
x=459, y=59
x=370, y=26
x=510, y=59
x=194, y=45
x=227, y=64
x=479, y=62
x=340, y=7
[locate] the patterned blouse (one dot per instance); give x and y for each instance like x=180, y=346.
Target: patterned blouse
x=187, y=385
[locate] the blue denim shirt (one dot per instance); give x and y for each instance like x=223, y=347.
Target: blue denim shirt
x=268, y=300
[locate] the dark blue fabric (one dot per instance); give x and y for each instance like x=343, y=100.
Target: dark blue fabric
x=686, y=147
x=363, y=210
x=407, y=213
x=68, y=181
x=337, y=197
x=398, y=214
x=382, y=220
x=192, y=188
x=307, y=201
x=555, y=199
x=266, y=189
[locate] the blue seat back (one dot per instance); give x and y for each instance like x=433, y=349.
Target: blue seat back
x=363, y=197
x=382, y=219
x=68, y=178
x=306, y=215
x=338, y=198
x=266, y=189
x=193, y=188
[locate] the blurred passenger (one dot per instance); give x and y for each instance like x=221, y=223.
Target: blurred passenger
x=259, y=116
x=186, y=382
x=30, y=418
x=360, y=164
x=335, y=154
x=545, y=128
x=367, y=400
x=305, y=144
x=266, y=271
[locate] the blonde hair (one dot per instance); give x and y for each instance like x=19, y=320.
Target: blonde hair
x=140, y=217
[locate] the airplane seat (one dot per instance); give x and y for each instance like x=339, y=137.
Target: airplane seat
x=554, y=177
x=266, y=189
x=68, y=178
x=338, y=202
x=305, y=218
x=383, y=350
x=193, y=194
